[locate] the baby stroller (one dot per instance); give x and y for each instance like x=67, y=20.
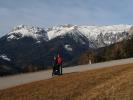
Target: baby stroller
x=57, y=65
x=56, y=70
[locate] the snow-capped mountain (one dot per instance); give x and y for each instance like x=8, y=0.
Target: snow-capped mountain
x=27, y=31
x=98, y=35
x=27, y=46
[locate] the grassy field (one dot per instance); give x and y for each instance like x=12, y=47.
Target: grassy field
x=114, y=83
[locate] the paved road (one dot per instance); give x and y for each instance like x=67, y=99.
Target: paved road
x=11, y=81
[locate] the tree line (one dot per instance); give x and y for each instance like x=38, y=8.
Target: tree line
x=115, y=51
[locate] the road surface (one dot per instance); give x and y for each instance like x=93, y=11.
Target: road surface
x=11, y=81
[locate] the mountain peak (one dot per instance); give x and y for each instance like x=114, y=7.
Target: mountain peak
x=103, y=34
x=27, y=31
x=89, y=31
x=19, y=27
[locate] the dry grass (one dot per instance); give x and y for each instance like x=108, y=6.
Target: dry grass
x=114, y=83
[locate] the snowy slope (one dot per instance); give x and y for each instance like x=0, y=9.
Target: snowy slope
x=96, y=30
x=27, y=31
x=98, y=35
x=59, y=30
x=131, y=31
x=89, y=31
x=5, y=57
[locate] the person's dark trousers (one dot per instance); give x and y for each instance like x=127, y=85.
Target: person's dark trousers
x=61, y=69
x=54, y=69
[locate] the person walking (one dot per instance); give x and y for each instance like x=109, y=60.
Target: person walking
x=59, y=63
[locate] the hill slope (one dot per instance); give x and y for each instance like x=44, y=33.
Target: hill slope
x=108, y=83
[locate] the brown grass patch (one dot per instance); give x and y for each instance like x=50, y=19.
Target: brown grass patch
x=114, y=83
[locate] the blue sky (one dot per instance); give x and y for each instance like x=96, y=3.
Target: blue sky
x=47, y=13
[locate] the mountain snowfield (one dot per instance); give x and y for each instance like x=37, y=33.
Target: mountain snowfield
x=3, y=56
x=28, y=31
x=99, y=36
x=89, y=31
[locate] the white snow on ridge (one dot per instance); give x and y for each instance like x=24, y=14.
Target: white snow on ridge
x=93, y=31
x=97, y=35
x=5, y=57
x=68, y=47
x=88, y=31
x=58, y=31
x=28, y=31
